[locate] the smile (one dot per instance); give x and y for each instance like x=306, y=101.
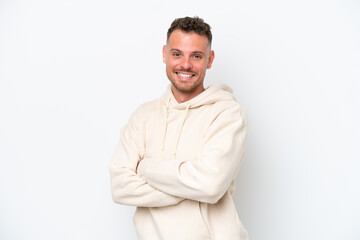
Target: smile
x=184, y=75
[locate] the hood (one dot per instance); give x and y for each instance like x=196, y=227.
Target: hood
x=210, y=95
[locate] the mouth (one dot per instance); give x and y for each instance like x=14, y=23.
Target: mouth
x=184, y=75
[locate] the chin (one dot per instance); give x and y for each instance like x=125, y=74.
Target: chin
x=185, y=88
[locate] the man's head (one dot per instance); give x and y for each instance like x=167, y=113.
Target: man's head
x=188, y=24
x=187, y=55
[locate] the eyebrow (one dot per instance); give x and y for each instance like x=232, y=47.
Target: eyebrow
x=195, y=52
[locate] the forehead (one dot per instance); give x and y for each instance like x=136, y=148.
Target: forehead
x=189, y=41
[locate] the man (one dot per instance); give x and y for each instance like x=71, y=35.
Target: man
x=178, y=155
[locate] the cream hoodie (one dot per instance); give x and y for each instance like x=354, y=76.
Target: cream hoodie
x=177, y=163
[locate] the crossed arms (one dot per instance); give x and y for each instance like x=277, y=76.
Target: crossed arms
x=149, y=182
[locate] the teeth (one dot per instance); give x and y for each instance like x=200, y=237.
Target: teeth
x=184, y=75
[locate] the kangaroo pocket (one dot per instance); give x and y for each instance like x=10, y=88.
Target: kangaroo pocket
x=181, y=221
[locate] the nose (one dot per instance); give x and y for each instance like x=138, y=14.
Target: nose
x=186, y=63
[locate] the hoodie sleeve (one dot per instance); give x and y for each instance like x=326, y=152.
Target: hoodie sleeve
x=126, y=186
x=206, y=178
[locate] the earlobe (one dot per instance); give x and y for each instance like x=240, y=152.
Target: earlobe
x=211, y=59
x=164, y=53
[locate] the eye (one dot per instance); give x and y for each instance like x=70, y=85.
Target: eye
x=197, y=57
x=176, y=54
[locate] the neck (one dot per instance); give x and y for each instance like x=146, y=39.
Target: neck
x=185, y=96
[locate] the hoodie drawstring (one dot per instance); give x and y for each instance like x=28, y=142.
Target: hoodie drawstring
x=166, y=123
x=180, y=130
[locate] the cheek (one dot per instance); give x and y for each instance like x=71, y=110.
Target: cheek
x=169, y=61
x=169, y=66
x=173, y=64
x=201, y=67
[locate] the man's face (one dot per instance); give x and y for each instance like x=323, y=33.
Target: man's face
x=187, y=56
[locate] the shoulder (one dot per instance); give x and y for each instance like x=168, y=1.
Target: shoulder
x=229, y=108
x=147, y=109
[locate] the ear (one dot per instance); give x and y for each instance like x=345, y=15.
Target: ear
x=164, y=53
x=211, y=59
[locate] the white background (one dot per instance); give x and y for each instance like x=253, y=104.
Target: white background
x=72, y=72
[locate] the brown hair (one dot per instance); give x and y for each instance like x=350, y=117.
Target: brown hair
x=189, y=24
